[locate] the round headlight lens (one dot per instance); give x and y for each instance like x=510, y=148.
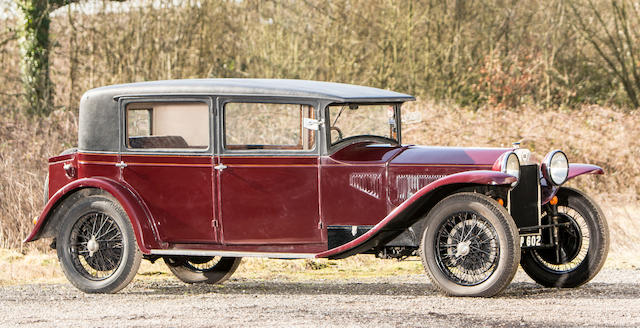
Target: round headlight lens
x=558, y=167
x=511, y=165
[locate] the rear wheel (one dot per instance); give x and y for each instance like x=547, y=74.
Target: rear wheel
x=469, y=246
x=582, y=244
x=96, y=245
x=203, y=269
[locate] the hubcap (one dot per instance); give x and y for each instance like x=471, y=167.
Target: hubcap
x=463, y=248
x=92, y=245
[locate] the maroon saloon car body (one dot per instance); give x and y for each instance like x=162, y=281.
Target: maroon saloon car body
x=188, y=182
x=248, y=201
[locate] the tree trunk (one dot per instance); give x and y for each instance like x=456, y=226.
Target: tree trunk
x=34, y=45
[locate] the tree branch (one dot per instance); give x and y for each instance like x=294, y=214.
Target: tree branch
x=55, y=4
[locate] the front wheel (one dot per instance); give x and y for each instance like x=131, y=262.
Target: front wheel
x=96, y=245
x=203, y=269
x=582, y=244
x=470, y=246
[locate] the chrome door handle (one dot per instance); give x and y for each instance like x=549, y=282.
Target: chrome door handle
x=121, y=165
x=220, y=167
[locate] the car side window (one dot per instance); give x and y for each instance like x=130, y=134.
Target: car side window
x=167, y=125
x=268, y=126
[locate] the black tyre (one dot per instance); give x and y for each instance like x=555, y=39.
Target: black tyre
x=203, y=269
x=96, y=244
x=583, y=244
x=470, y=246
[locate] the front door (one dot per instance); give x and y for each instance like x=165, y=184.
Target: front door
x=268, y=175
x=167, y=159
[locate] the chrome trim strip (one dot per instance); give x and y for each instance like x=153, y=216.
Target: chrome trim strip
x=272, y=165
x=488, y=166
x=196, y=252
x=102, y=152
x=145, y=164
x=61, y=161
x=539, y=205
x=148, y=152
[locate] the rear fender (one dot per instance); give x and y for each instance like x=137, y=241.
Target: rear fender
x=415, y=208
x=143, y=227
x=575, y=169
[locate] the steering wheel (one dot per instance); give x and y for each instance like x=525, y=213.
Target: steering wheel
x=340, y=135
x=367, y=137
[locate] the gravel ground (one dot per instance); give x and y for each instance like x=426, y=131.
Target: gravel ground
x=611, y=299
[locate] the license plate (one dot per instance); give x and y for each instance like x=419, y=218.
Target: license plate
x=530, y=241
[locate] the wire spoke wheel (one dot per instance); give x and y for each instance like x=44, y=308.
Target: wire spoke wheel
x=202, y=263
x=202, y=269
x=470, y=246
x=580, y=243
x=573, y=243
x=467, y=248
x=96, y=246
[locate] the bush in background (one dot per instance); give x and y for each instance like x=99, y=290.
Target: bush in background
x=499, y=53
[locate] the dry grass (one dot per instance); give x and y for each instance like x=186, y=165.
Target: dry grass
x=43, y=267
x=25, y=145
x=623, y=217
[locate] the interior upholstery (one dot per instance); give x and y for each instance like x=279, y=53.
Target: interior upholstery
x=158, y=142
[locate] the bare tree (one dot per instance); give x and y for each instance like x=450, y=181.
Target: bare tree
x=613, y=33
x=35, y=48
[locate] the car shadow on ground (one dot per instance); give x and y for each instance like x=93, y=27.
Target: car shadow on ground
x=590, y=290
x=528, y=290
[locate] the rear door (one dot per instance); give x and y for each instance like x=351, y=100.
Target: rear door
x=167, y=159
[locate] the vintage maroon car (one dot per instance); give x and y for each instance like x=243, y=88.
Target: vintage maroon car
x=202, y=173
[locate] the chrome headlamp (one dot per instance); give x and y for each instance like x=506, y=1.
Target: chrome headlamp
x=555, y=167
x=511, y=165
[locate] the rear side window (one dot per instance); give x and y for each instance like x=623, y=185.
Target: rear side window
x=167, y=125
x=268, y=126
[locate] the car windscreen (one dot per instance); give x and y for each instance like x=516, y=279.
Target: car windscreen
x=353, y=120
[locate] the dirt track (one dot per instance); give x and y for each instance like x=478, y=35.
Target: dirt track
x=612, y=299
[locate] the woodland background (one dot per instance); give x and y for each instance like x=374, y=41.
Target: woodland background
x=552, y=74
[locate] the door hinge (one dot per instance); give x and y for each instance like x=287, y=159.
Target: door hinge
x=320, y=225
x=214, y=224
x=220, y=167
x=121, y=165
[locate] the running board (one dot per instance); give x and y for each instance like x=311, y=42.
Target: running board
x=196, y=252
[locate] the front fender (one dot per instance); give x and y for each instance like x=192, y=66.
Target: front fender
x=408, y=212
x=146, y=234
x=580, y=169
x=575, y=169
